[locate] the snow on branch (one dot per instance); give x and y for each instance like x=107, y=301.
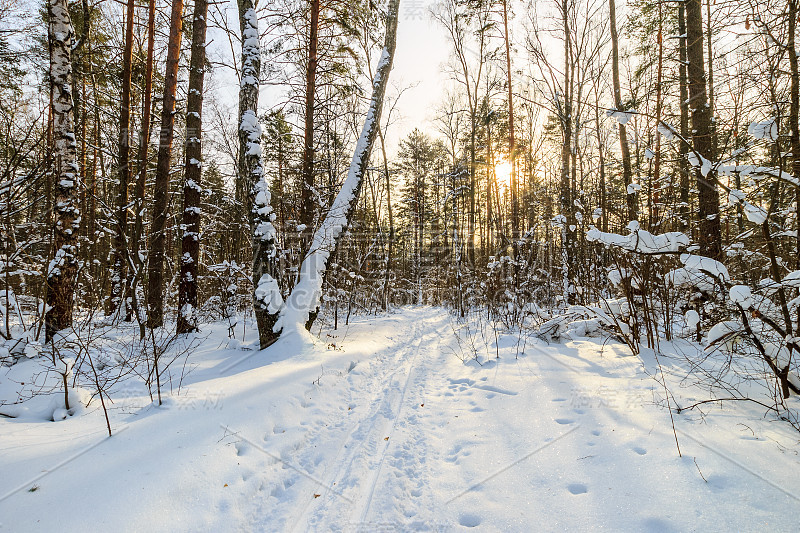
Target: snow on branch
x=641, y=241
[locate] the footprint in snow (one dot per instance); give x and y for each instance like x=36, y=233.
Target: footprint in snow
x=469, y=520
x=577, y=488
x=564, y=421
x=639, y=450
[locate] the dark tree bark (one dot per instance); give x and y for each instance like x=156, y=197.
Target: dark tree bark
x=567, y=234
x=190, y=243
x=119, y=277
x=683, y=148
x=794, y=116
x=515, y=229
x=141, y=178
x=307, y=192
x=709, y=224
x=63, y=267
x=155, y=271
x=627, y=172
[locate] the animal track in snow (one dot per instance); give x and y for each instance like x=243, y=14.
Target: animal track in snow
x=469, y=520
x=577, y=488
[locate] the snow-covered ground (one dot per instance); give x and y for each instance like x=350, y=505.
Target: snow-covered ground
x=383, y=426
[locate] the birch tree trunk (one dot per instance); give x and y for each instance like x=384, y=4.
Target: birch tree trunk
x=304, y=299
x=155, y=271
x=63, y=267
x=267, y=300
x=190, y=242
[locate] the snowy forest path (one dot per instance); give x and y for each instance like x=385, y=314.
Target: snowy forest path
x=374, y=451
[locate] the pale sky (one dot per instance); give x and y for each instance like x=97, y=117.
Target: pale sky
x=422, y=49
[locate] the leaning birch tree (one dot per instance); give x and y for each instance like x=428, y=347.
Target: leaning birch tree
x=63, y=267
x=302, y=304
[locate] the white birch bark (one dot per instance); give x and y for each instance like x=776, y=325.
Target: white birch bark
x=304, y=298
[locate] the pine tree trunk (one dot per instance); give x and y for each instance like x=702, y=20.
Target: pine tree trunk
x=190, y=243
x=155, y=271
x=63, y=267
x=794, y=119
x=627, y=172
x=119, y=277
x=141, y=179
x=307, y=192
x=709, y=227
x=515, y=229
x=683, y=148
x=267, y=299
x=567, y=234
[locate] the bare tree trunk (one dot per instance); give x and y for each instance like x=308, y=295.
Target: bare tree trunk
x=141, y=179
x=267, y=299
x=794, y=117
x=307, y=192
x=511, y=145
x=627, y=172
x=119, y=278
x=301, y=306
x=683, y=148
x=567, y=234
x=63, y=267
x=193, y=174
x=656, y=184
x=710, y=234
x=390, y=244
x=155, y=281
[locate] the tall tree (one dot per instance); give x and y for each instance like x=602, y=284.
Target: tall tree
x=190, y=242
x=141, y=178
x=794, y=117
x=155, y=271
x=710, y=238
x=627, y=172
x=515, y=229
x=119, y=279
x=267, y=300
x=63, y=267
x=307, y=192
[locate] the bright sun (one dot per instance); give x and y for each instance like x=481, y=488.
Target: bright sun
x=503, y=173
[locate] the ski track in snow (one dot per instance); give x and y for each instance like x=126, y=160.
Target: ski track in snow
x=390, y=429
